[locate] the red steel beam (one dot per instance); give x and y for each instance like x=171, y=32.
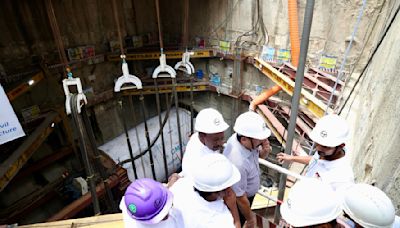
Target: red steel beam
x=299, y=122
x=279, y=129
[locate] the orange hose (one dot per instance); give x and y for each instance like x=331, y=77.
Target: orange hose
x=295, y=50
x=294, y=31
x=264, y=96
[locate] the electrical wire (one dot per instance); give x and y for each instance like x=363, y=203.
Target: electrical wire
x=258, y=26
x=155, y=139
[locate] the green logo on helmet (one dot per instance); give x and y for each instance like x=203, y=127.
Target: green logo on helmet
x=132, y=208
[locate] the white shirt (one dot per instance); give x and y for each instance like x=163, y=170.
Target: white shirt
x=337, y=173
x=194, y=150
x=196, y=211
x=396, y=223
x=174, y=219
x=247, y=163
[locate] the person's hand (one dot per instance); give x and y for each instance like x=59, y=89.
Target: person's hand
x=172, y=179
x=230, y=201
x=251, y=107
x=265, y=149
x=282, y=157
x=283, y=224
x=266, y=146
x=250, y=223
x=230, y=198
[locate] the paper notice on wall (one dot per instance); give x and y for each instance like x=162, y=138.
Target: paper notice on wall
x=10, y=128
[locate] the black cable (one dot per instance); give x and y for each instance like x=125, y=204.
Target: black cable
x=98, y=164
x=89, y=171
x=128, y=141
x=155, y=139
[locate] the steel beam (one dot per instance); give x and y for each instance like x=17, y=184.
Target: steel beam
x=279, y=130
x=199, y=86
x=307, y=100
x=201, y=53
x=10, y=167
x=44, y=162
x=24, y=87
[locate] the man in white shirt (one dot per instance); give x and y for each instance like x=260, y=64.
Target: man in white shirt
x=199, y=196
x=329, y=163
x=209, y=138
x=147, y=203
x=243, y=150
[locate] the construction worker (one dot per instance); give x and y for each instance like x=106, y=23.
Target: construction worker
x=243, y=149
x=367, y=206
x=209, y=138
x=396, y=223
x=200, y=195
x=329, y=163
x=147, y=203
x=311, y=203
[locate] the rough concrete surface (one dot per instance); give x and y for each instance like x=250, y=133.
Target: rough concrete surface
x=374, y=115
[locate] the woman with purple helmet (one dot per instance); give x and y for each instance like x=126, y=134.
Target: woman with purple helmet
x=147, y=203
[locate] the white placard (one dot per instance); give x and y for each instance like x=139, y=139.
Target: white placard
x=10, y=128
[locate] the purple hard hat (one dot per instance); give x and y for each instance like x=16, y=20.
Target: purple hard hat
x=148, y=201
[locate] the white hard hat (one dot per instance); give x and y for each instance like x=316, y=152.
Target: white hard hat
x=252, y=125
x=214, y=172
x=210, y=121
x=310, y=202
x=369, y=206
x=331, y=131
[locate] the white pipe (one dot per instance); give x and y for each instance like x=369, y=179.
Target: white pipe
x=279, y=169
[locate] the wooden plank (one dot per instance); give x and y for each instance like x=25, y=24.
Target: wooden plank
x=10, y=167
x=100, y=221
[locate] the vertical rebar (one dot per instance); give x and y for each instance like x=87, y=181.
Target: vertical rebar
x=169, y=133
x=128, y=141
x=146, y=128
x=137, y=135
x=177, y=115
x=308, y=16
x=191, y=105
x=161, y=129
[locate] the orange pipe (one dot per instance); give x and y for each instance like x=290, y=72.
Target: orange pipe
x=264, y=96
x=294, y=31
x=295, y=50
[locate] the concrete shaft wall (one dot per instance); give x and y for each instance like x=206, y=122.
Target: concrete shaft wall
x=331, y=29
x=374, y=111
